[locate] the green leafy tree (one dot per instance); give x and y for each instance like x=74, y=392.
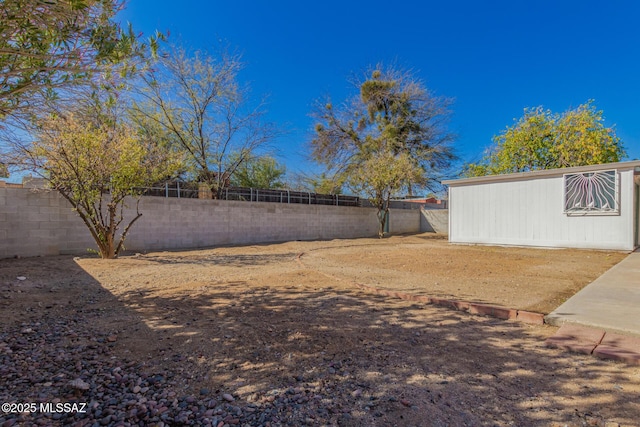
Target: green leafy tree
x=50, y=45
x=96, y=160
x=259, y=172
x=53, y=51
x=388, y=138
x=195, y=103
x=545, y=140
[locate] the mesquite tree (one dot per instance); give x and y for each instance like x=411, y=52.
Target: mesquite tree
x=46, y=46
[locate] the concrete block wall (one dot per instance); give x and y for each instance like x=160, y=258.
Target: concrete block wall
x=434, y=220
x=36, y=223
x=404, y=221
x=187, y=223
x=39, y=223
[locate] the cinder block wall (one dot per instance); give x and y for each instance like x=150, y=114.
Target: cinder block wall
x=39, y=223
x=404, y=221
x=43, y=223
x=434, y=220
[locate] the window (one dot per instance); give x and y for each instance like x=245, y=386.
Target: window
x=591, y=193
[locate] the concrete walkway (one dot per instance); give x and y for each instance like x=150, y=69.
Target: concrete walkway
x=611, y=302
x=604, y=317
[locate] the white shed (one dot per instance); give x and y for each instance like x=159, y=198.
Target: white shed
x=593, y=207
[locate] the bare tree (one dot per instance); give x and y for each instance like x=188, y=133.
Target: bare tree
x=194, y=103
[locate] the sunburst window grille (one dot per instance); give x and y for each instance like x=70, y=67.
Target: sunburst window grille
x=593, y=193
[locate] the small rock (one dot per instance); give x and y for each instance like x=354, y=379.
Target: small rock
x=112, y=338
x=21, y=278
x=78, y=384
x=228, y=397
x=592, y=421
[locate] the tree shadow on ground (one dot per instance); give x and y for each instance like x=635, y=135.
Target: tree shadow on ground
x=58, y=325
x=299, y=353
x=374, y=361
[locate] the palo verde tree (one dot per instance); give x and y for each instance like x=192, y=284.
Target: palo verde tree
x=195, y=104
x=97, y=161
x=391, y=137
x=61, y=64
x=545, y=140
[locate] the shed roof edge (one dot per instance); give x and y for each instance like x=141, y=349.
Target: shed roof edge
x=635, y=164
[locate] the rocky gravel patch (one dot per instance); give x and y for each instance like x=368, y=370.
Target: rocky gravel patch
x=66, y=364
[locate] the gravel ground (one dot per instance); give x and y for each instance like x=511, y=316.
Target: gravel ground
x=61, y=361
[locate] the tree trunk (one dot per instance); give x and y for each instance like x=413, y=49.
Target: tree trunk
x=382, y=221
x=109, y=251
x=106, y=247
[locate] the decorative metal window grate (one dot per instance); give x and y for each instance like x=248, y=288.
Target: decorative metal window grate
x=593, y=193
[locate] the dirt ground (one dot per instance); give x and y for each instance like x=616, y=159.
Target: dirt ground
x=254, y=320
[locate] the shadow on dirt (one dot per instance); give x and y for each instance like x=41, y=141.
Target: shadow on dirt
x=375, y=361
x=239, y=260
x=340, y=357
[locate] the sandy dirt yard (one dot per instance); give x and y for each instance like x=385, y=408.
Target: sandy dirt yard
x=279, y=335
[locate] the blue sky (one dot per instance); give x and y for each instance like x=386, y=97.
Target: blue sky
x=494, y=58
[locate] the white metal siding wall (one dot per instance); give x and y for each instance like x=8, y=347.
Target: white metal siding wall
x=529, y=212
